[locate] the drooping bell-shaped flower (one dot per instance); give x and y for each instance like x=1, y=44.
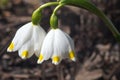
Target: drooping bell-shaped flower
x=28, y=40
x=57, y=45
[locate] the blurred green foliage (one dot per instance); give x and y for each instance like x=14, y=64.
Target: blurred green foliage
x=3, y=3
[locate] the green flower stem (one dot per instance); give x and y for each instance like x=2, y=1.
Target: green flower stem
x=53, y=18
x=37, y=14
x=47, y=5
x=57, y=8
x=86, y=4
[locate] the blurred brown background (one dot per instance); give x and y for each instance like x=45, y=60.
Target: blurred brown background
x=98, y=53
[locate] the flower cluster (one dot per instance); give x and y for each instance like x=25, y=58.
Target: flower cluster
x=56, y=45
x=32, y=39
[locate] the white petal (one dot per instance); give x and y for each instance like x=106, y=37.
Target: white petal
x=71, y=48
x=60, y=47
x=71, y=42
x=61, y=44
x=27, y=50
x=22, y=35
x=38, y=36
x=47, y=47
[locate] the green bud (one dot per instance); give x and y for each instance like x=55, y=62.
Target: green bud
x=36, y=16
x=54, y=21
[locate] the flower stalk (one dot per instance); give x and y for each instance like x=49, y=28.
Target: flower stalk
x=53, y=18
x=37, y=14
x=86, y=4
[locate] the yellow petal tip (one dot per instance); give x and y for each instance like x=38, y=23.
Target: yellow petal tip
x=72, y=55
x=56, y=60
x=40, y=60
x=11, y=47
x=24, y=54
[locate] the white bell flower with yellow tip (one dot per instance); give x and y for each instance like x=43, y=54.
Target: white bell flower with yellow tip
x=57, y=45
x=28, y=40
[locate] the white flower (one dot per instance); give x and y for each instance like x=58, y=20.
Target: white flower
x=28, y=40
x=57, y=45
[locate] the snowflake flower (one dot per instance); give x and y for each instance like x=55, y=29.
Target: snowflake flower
x=28, y=40
x=57, y=45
